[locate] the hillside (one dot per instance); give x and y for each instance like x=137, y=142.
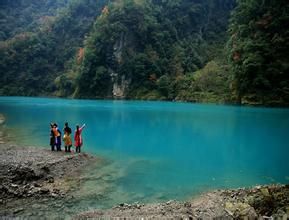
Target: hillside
x=20, y=16
x=34, y=57
x=258, y=52
x=221, y=51
x=152, y=50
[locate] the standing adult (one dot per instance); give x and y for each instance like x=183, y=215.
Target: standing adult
x=52, y=138
x=67, y=138
x=57, y=135
x=78, y=141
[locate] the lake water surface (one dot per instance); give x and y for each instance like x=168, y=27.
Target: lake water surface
x=161, y=150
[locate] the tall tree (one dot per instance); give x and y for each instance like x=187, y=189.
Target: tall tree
x=259, y=54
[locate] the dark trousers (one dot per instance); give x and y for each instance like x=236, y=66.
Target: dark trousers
x=52, y=143
x=58, y=143
x=78, y=149
x=58, y=147
x=67, y=148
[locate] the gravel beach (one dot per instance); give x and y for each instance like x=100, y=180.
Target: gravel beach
x=32, y=173
x=29, y=174
x=260, y=202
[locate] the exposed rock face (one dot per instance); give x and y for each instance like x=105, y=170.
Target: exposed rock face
x=118, y=48
x=119, y=89
x=120, y=83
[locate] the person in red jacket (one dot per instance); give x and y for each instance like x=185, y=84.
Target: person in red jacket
x=78, y=138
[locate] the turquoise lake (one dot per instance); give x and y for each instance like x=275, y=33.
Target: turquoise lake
x=161, y=150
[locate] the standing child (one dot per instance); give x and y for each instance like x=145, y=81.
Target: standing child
x=78, y=138
x=66, y=138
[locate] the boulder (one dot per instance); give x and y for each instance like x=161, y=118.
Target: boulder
x=240, y=210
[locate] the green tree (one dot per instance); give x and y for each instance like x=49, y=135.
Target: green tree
x=258, y=52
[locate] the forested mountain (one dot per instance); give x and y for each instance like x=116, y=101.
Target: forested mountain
x=191, y=50
x=259, y=52
x=152, y=50
x=33, y=58
x=18, y=16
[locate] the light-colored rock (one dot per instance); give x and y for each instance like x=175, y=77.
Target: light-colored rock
x=265, y=192
x=239, y=209
x=2, y=119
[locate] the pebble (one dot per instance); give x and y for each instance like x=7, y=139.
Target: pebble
x=169, y=202
x=37, y=185
x=36, y=206
x=18, y=210
x=54, y=195
x=44, y=191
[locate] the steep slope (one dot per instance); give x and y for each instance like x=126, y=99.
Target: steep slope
x=31, y=61
x=154, y=49
x=150, y=49
x=259, y=52
x=20, y=16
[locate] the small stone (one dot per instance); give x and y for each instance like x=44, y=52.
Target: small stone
x=58, y=205
x=50, y=179
x=265, y=192
x=169, y=202
x=62, y=194
x=239, y=209
x=56, y=191
x=18, y=210
x=37, y=185
x=187, y=204
x=54, y=195
x=36, y=206
x=44, y=191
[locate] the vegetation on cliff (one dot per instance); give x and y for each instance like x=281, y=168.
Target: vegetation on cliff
x=199, y=51
x=42, y=49
x=153, y=49
x=259, y=42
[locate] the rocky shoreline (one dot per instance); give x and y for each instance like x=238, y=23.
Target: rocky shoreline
x=260, y=202
x=28, y=173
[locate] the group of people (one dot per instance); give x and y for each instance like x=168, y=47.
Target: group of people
x=56, y=137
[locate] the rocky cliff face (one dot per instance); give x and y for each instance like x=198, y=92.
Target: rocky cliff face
x=135, y=44
x=120, y=82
